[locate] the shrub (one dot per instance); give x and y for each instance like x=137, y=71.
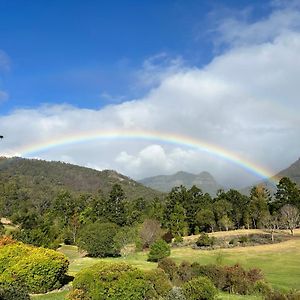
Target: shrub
x=199, y=288
x=262, y=287
x=12, y=291
x=6, y=240
x=98, y=239
x=116, y=281
x=205, y=241
x=276, y=295
x=38, y=269
x=176, y=293
x=178, y=239
x=185, y=271
x=169, y=267
x=217, y=274
x=241, y=281
x=244, y=239
x=159, y=282
x=168, y=236
x=159, y=250
x=233, y=279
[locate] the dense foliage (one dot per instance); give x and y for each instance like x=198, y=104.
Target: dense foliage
x=159, y=250
x=38, y=269
x=13, y=291
x=98, y=239
x=53, y=203
x=199, y=288
x=116, y=281
x=233, y=279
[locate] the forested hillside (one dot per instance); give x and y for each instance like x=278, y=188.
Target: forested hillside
x=43, y=179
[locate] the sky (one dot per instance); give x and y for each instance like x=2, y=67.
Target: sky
x=224, y=73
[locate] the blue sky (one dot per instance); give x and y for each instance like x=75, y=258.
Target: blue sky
x=224, y=73
x=88, y=53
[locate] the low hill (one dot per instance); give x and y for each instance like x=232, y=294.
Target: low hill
x=39, y=176
x=164, y=183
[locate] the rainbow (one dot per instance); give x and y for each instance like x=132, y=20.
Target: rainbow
x=153, y=136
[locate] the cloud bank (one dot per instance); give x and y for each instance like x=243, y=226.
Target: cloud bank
x=246, y=100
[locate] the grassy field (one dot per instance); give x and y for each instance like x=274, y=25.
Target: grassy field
x=279, y=262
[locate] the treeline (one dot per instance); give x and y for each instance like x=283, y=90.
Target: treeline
x=79, y=219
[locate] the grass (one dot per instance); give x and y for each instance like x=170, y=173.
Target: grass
x=51, y=296
x=280, y=262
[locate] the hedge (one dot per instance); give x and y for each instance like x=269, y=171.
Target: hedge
x=39, y=270
x=116, y=281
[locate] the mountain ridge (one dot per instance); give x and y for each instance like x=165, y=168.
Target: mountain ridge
x=35, y=174
x=164, y=183
x=292, y=172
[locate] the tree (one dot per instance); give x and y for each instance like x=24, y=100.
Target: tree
x=114, y=208
x=149, y=232
x=290, y=217
x=98, y=239
x=258, y=206
x=287, y=193
x=271, y=222
x=177, y=224
x=205, y=219
x=225, y=222
x=159, y=250
x=239, y=204
x=222, y=208
x=125, y=236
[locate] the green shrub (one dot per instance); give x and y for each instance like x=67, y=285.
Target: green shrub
x=12, y=291
x=276, y=295
x=244, y=239
x=217, y=274
x=159, y=250
x=199, y=288
x=263, y=288
x=160, y=284
x=233, y=279
x=38, y=269
x=116, y=281
x=205, y=241
x=98, y=239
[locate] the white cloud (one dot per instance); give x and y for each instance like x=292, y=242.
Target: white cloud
x=237, y=28
x=245, y=101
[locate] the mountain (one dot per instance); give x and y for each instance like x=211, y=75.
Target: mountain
x=45, y=177
x=165, y=183
x=293, y=172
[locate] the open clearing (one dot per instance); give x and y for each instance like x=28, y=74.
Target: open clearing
x=280, y=262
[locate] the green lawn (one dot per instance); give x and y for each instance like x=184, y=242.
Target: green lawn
x=51, y=296
x=279, y=262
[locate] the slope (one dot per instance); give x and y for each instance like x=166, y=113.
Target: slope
x=205, y=181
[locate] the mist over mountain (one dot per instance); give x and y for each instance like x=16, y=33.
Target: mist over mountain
x=164, y=183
